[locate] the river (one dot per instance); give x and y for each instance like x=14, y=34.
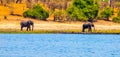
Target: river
x=59, y=45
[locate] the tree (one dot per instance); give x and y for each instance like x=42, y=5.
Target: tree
x=83, y=9
x=36, y=12
x=106, y=13
x=29, y=4
x=19, y=1
x=59, y=15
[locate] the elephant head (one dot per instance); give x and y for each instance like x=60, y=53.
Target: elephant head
x=92, y=25
x=30, y=23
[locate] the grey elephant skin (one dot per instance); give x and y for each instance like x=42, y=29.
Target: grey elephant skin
x=88, y=26
x=27, y=24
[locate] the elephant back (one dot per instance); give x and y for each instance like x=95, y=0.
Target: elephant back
x=23, y=22
x=30, y=22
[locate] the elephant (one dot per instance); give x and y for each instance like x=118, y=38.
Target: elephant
x=88, y=26
x=27, y=24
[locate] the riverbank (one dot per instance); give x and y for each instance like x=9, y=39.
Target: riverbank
x=12, y=25
x=11, y=31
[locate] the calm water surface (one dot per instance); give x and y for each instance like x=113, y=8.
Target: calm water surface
x=59, y=45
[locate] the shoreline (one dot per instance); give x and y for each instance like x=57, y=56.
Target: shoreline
x=12, y=26
x=12, y=31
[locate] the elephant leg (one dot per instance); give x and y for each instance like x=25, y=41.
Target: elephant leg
x=89, y=29
x=27, y=28
x=21, y=28
x=83, y=29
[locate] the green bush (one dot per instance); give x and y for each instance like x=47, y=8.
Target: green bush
x=60, y=15
x=116, y=19
x=82, y=10
x=107, y=12
x=76, y=14
x=37, y=12
x=27, y=13
x=118, y=14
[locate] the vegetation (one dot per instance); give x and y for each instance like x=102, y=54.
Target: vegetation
x=82, y=10
x=37, y=12
x=12, y=31
x=76, y=9
x=118, y=14
x=60, y=10
x=60, y=15
x=117, y=19
x=106, y=13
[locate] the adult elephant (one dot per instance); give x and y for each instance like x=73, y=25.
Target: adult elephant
x=88, y=26
x=27, y=24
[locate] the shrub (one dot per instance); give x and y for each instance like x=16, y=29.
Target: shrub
x=118, y=14
x=37, y=12
x=116, y=19
x=59, y=15
x=83, y=9
x=76, y=14
x=107, y=12
x=27, y=13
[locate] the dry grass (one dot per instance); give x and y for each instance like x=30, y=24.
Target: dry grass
x=58, y=31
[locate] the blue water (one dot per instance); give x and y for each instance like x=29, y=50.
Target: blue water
x=59, y=45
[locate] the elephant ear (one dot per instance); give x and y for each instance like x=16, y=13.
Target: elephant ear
x=91, y=24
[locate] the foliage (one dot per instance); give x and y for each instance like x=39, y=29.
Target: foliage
x=59, y=15
x=104, y=0
x=118, y=14
x=83, y=9
x=117, y=4
x=116, y=19
x=107, y=12
x=37, y=12
x=75, y=14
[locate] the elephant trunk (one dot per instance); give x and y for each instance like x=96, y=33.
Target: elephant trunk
x=32, y=27
x=94, y=28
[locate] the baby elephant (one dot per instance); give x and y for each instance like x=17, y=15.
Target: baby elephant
x=27, y=24
x=88, y=26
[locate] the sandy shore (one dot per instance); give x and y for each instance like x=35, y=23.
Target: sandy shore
x=14, y=23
